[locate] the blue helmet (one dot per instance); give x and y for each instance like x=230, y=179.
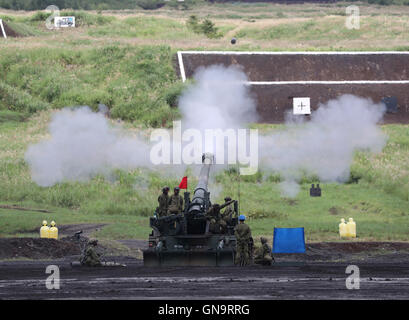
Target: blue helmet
x=242, y=217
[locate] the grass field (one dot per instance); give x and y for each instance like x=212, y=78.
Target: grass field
x=124, y=59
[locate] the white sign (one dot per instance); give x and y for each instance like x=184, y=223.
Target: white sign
x=301, y=106
x=64, y=22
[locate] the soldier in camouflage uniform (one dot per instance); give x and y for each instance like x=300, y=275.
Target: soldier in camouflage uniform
x=227, y=215
x=243, y=239
x=175, y=202
x=263, y=254
x=163, y=200
x=90, y=257
x=213, y=215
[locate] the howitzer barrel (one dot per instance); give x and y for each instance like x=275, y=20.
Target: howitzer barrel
x=227, y=203
x=199, y=196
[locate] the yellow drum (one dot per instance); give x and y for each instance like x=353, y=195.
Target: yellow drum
x=53, y=231
x=343, y=229
x=44, y=230
x=351, y=228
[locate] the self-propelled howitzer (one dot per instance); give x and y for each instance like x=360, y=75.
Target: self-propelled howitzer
x=198, y=236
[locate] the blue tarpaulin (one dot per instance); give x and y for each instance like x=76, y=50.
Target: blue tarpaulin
x=289, y=240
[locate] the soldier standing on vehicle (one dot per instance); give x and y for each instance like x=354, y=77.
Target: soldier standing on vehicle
x=163, y=200
x=90, y=257
x=228, y=212
x=243, y=239
x=263, y=255
x=213, y=215
x=175, y=202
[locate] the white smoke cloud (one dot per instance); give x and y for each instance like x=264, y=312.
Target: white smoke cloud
x=219, y=99
x=324, y=146
x=83, y=144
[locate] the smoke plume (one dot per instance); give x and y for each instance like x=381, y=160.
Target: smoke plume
x=219, y=99
x=325, y=145
x=83, y=144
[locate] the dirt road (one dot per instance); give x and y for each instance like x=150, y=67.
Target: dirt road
x=26, y=280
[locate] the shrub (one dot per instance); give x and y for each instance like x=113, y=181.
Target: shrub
x=206, y=27
x=150, y=4
x=40, y=16
x=193, y=24
x=17, y=100
x=173, y=93
x=209, y=29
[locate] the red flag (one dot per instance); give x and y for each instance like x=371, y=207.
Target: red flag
x=183, y=183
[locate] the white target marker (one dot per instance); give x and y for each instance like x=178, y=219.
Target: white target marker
x=301, y=105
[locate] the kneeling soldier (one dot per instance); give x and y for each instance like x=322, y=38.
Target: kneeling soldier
x=263, y=254
x=90, y=257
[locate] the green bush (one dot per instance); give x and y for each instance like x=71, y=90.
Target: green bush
x=173, y=93
x=184, y=5
x=209, y=29
x=40, y=16
x=14, y=99
x=150, y=4
x=7, y=18
x=381, y=2
x=206, y=27
x=193, y=24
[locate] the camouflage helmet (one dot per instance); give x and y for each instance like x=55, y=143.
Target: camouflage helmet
x=93, y=242
x=176, y=189
x=263, y=240
x=227, y=199
x=166, y=188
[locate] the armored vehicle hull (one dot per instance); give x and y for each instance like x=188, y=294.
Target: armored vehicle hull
x=190, y=250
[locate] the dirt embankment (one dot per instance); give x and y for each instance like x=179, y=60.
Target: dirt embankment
x=379, y=252
x=9, y=31
x=37, y=248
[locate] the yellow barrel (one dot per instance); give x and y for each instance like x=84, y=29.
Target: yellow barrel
x=44, y=230
x=342, y=229
x=351, y=228
x=53, y=231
